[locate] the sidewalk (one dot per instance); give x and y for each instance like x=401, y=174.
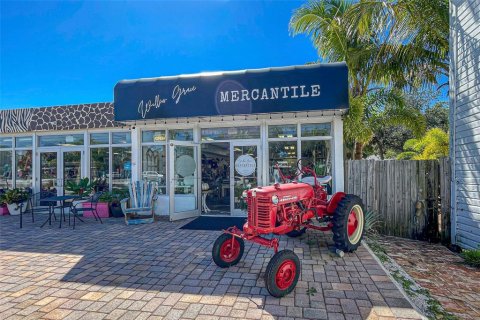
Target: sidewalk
x=158, y=271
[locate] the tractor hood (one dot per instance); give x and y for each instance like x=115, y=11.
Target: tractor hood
x=287, y=192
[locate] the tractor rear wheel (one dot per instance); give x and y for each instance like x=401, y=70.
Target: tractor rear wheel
x=281, y=275
x=227, y=253
x=296, y=233
x=348, y=223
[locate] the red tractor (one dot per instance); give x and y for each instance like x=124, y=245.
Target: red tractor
x=291, y=208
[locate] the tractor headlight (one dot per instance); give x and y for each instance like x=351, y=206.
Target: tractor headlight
x=275, y=199
x=244, y=194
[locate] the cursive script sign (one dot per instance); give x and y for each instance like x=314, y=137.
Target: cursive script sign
x=144, y=109
x=179, y=92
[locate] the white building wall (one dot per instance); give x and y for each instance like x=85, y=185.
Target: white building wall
x=465, y=121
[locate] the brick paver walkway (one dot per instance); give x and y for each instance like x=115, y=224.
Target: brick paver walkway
x=157, y=271
x=434, y=267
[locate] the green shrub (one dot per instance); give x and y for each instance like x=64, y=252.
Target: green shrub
x=81, y=188
x=472, y=257
x=373, y=223
x=13, y=196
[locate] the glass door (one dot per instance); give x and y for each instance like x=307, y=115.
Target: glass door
x=244, y=173
x=183, y=181
x=57, y=168
x=71, y=168
x=49, y=171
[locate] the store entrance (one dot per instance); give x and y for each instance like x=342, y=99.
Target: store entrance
x=216, y=178
x=183, y=180
x=58, y=167
x=228, y=168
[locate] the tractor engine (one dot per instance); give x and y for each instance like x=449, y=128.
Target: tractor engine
x=272, y=206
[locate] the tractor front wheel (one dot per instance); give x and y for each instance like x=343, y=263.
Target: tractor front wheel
x=296, y=233
x=281, y=275
x=227, y=250
x=348, y=223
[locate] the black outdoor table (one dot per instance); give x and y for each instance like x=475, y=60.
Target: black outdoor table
x=56, y=199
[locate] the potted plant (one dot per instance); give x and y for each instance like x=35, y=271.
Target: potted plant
x=14, y=199
x=3, y=206
x=115, y=206
x=82, y=187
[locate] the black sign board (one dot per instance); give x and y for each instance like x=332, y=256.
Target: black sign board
x=289, y=89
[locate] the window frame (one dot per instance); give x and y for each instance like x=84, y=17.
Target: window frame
x=110, y=145
x=13, y=161
x=299, y=140
x=158, y=143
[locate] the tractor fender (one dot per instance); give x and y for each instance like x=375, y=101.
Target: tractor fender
x=333, y=203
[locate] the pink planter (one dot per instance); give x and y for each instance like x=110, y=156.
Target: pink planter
x=102, y=210
x=3, y=210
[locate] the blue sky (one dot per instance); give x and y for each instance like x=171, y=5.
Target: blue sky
x=55, y=53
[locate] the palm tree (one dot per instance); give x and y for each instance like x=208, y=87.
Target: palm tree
x=340, y=35
x=415, y=35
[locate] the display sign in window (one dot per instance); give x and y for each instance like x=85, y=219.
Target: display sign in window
x=153, y=136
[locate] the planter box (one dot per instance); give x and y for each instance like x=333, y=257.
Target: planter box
x=102, y=210
x=3, y=210
x=14, y=209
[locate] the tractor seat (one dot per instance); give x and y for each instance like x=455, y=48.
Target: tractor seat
x=320, y=180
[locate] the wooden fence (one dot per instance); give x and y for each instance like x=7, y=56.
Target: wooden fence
x=411, y=197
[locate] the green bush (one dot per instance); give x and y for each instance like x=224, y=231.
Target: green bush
x=82, y=188
x=373, y=223
x=472, y=257
x=13, y=196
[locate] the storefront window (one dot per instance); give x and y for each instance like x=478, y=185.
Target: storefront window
x=319, y=152
x=181, y=134
x=23, y=173
x=315, y=129
x=283, y=153
x=6, y=142
x=121, y=168
x=61, y=140
x=153, y=136
x=99, y=167
x=154, y=166
x=212, y=134
x=99, y=138
x=282, y=131
x=23, y=142
x=121, y=137
x=5, y=169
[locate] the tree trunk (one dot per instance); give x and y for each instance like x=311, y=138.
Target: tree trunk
x=381, y=151
x=359, y=150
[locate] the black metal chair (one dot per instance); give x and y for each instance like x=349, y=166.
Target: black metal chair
x=35, y=204
x=78, y=207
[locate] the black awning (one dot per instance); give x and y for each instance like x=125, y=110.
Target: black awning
x=287, y=89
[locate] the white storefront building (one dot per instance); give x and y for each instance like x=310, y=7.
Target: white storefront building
x=204, y=138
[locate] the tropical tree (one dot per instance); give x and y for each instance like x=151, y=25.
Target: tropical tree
x=437, y=116
x=339, y=34
x=415, y=37
x=433, y=145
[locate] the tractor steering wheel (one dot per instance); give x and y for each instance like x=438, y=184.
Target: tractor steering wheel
x=306, y=166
